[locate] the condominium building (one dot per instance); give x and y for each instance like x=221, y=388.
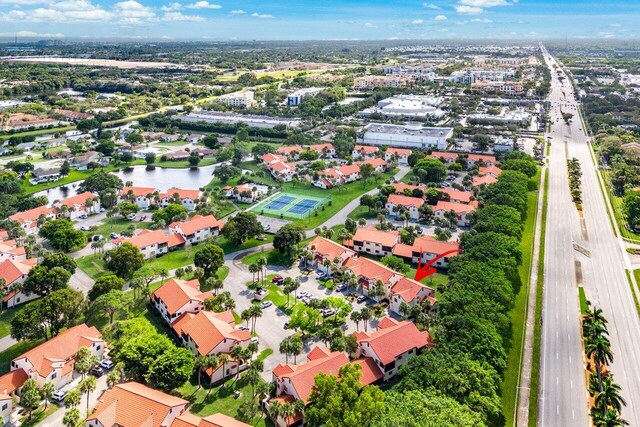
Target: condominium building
x=405, y=136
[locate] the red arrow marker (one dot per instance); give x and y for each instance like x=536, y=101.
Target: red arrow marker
x=427, y=269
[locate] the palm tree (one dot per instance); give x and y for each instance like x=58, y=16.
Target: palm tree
x=71, y=417
x=285, y=348
x=254, y=269
x=246, y=315
x=87, y=385
x=47, y=391
x=356, y=316
x=240, y=355
x=72, y=399
x=262, y=263
x=275, y=410
x=609, y=419
x=224, y=359
x=288, y=411
x=366, y=315
x=199, y=364
x=296, y=347
x=599, y=348
x=164, y=273
x=609, y=397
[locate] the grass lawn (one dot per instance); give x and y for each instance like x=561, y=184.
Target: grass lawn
x=583, y=300
x=519, y=313
x=274, y=257
x=38, y=415
x=181, y=164
x=6, y=317
x=617, y=203
x=37, y=132
x=206, y=402
x=636, y=274
x=116, y=224
x=14, y=351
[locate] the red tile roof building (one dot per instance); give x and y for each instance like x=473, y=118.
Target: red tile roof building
x=29, y=219
x=154, y=243
x=324, y=249
x=177, y=297
x=461, y=210
x=197, y=228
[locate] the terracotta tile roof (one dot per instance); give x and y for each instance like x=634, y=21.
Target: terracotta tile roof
x=373, y=235
x=332, y=173
x=208, y=329
x=271, y=158
x=61, y=348
x=303, y=376
x=328, y=248
x=401, y=186
x=408, y=289
x=31, y=214
x=481, y=157
x=366, y=148
x=462, y=196
x=175, y=293
x=216, y=420
x=347, y=170
x=148, y=238
x=370, y=370
x=182, y=194
x=371, y=270
x=11, y=270
x=137, y=191
x=457, y=207
x=399, y=151
x=288, y=149
x=135, y=405
x=321, y=147
x=428, y=244
x=318, y=352
x=197, y=223
x=483, y=180
x=281, y=166
x=489, y=170
x=407, y=201
x=444, y=155
x=402, y=250
x=181, y=321
x=12, y=381
x=4, y=234
x=376, y=162
x=393, y=340
x=78, y=200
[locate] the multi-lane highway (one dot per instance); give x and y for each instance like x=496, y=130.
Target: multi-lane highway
x=598, y=263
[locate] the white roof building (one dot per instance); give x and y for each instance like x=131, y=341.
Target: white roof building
x=417, y=106
x=406, y=136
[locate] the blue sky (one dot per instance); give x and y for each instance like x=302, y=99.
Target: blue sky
x=319, y=19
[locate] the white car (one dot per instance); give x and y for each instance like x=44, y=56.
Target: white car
x=266, y=304
x=301, y=294
x=58, y=396
x=255, y=340
x=106, y=363
x=84, y=228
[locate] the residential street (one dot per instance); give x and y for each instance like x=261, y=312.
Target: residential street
x=563, y=394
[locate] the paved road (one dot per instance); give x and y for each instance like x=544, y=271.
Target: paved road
x=562, y=394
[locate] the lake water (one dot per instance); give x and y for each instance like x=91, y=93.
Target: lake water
x=160, y=178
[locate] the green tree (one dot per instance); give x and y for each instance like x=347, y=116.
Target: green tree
x=61, y=234
x=211, y=141
x=210, y=258
x=99, y=182
x=104, y=285
x=226, y=172
x=339, y=401
x=241, y=227
x=429, y=170
x=59, y=259
x=150, y=158
x=287, y=238
x=171, y=369
x=194, y=159
x=127, y=208
x=42, y=281
x=173, y=212
x=87, y=385
x=71, y=417
x=111, y=304
x=631, y=209
x=47, y=391
x=124, y=260
x=30, y=396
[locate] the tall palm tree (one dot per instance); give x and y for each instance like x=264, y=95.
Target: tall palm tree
x=224, y=359
x=599, y=348
x=609, y=397
x=87, y=385
x=609, y=419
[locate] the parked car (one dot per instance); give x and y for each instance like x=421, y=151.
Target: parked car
x=97, y=372
x=322, y=276
x=243, y=328
x=58, y=396
x=301, y=294
x=131, y=217
x=286, y=325
x=341, y=287
x=106, y=364
x=83, y=216
x=266, y=304
x=95, y=238
x=420, y=231
x=114, y=235
x=361, y=298
x=267, y=227
x=277, y=279
x=102, y=210
x=84, y=228
x=255, y=340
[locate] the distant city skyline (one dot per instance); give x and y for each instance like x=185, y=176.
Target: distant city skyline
x=319, y=19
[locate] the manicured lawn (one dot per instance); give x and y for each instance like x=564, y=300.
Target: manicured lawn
x=274, y=257
x=181, y=164
x=38, y=415
x=617, y=203
x=519, y=313
x=116, y=224
x=583, y=300
x=14, y=351
x=6, y=317
x=636, y=274
x=93, y=265
x=37, y=132
x=206, y=402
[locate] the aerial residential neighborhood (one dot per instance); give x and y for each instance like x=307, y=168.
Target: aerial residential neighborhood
x=322, y=214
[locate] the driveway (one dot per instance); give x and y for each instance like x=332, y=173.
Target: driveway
x=55, y=419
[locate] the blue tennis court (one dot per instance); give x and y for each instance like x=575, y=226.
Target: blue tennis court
x=303, y=206
x=280, y=203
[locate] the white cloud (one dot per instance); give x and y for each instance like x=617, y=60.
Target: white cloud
x=615, y=24
x=262, y=15
x=370, y=25
x=70, y=11
x=237, y=12
x=177, y=16
x=486, y=3
x=204, y=5
x=171, y=7
x=484, y=21
x=468, y=10
x=606, y=34
x=431, y=6
x=133, y=13
x=27, y=34
x=23, y=2
x=440, y=18
x=417, y=21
